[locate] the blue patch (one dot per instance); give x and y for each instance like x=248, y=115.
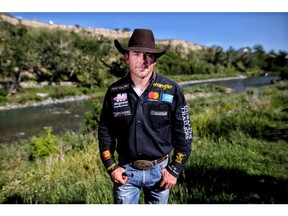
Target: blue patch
x=167, y=98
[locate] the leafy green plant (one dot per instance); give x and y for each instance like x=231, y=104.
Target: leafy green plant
x=44, y=145
x=92, y=118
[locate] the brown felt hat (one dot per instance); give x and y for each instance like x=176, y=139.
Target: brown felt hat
x=142, y=40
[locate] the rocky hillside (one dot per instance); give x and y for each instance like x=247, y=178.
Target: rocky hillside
x=185, y=46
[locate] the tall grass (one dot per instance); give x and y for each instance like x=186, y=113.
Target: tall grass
x=73, y=175
x=239, y=156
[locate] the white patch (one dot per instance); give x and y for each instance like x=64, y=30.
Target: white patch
x=158, y=113
x=120, y=97
x=120, y=100
x=186, y=122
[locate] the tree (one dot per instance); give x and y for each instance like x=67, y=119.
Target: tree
x=18, y=54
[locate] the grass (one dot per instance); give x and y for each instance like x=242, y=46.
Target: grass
x=239, y=155
x=70, y=176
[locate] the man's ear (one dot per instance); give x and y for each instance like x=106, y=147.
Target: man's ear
x=126, y=58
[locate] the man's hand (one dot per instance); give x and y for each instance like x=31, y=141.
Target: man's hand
x=118, y=177
x=168, y=180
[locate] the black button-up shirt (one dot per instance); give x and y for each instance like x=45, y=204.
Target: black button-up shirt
x=146, y=127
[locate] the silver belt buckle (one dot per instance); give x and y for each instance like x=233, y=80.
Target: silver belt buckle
x=142, y=164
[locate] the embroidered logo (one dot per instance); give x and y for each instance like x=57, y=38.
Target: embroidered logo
x=180, y=157
x=158, y=113
x=120, y=97
x=120, y=100
x=154, y=96
x=122, y=114
x=186, y=123
x=106, y=155
x=111, y=167
x=162, y=86
x=120, y=87
x=167, y=98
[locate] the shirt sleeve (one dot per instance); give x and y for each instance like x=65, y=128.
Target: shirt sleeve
x=107, y=141
x=182, y=135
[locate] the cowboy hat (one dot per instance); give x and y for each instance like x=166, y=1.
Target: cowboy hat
x=142, y=40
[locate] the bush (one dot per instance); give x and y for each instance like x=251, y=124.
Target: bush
x=44, y=145
x=92, y=118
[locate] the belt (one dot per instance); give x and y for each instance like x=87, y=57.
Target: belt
x=147, y=164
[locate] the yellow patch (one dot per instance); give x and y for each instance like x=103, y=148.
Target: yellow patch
x=163, y=86
x=106, y=155
x=180, y=157
x=111, y=166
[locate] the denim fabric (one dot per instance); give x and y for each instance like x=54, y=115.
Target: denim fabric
x=148, y=180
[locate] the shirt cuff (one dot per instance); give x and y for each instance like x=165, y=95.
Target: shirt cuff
x=111, y=165
x=174, y=170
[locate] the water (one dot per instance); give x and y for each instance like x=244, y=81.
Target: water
x=22, y=123
x=239, y=85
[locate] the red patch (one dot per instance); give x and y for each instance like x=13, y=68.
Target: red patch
x=153, y=95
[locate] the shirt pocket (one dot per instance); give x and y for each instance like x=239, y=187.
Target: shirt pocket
x=159, y=115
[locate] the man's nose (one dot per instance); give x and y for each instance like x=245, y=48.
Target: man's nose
x=143, y=57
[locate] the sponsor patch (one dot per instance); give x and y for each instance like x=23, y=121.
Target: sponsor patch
x=180, y=157
x=154, y=96
x=120, y=97
x=158, y=113
x=111, y=166
x=167, y=98
x=106, y=155
x=186, y=123
x=119, y=88
x=122, y=114
x=162, y=86
x=120, y=100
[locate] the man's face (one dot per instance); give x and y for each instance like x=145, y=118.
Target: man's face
x=141, y=64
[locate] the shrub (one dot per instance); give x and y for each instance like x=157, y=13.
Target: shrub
x=92, y=118
x=43, y=145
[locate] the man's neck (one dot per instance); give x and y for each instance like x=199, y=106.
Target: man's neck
x=141, y=83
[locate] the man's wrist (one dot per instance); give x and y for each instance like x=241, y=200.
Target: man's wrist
x=172, y=170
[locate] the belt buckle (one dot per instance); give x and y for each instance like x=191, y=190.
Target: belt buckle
x=143, y=164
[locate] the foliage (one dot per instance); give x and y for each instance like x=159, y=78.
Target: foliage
x=256, y=116
x=92, y=118
x=44, y=145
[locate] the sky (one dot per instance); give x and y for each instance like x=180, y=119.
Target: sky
x=224, y=29
x=225, y=23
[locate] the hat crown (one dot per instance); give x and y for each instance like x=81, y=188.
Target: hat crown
x=142, y=38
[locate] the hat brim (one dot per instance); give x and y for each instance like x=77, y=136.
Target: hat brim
x=123, y=50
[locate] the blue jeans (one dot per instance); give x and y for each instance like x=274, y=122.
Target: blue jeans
x=149, y=180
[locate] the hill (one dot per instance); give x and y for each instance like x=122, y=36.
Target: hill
x=113, y=34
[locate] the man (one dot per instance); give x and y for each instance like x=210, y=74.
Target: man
x=144, y=117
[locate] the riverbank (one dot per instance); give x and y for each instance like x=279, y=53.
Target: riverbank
x=44, y=102
x=11, y=106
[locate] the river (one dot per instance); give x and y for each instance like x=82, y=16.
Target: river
x=238, y=85
x=21, y=123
